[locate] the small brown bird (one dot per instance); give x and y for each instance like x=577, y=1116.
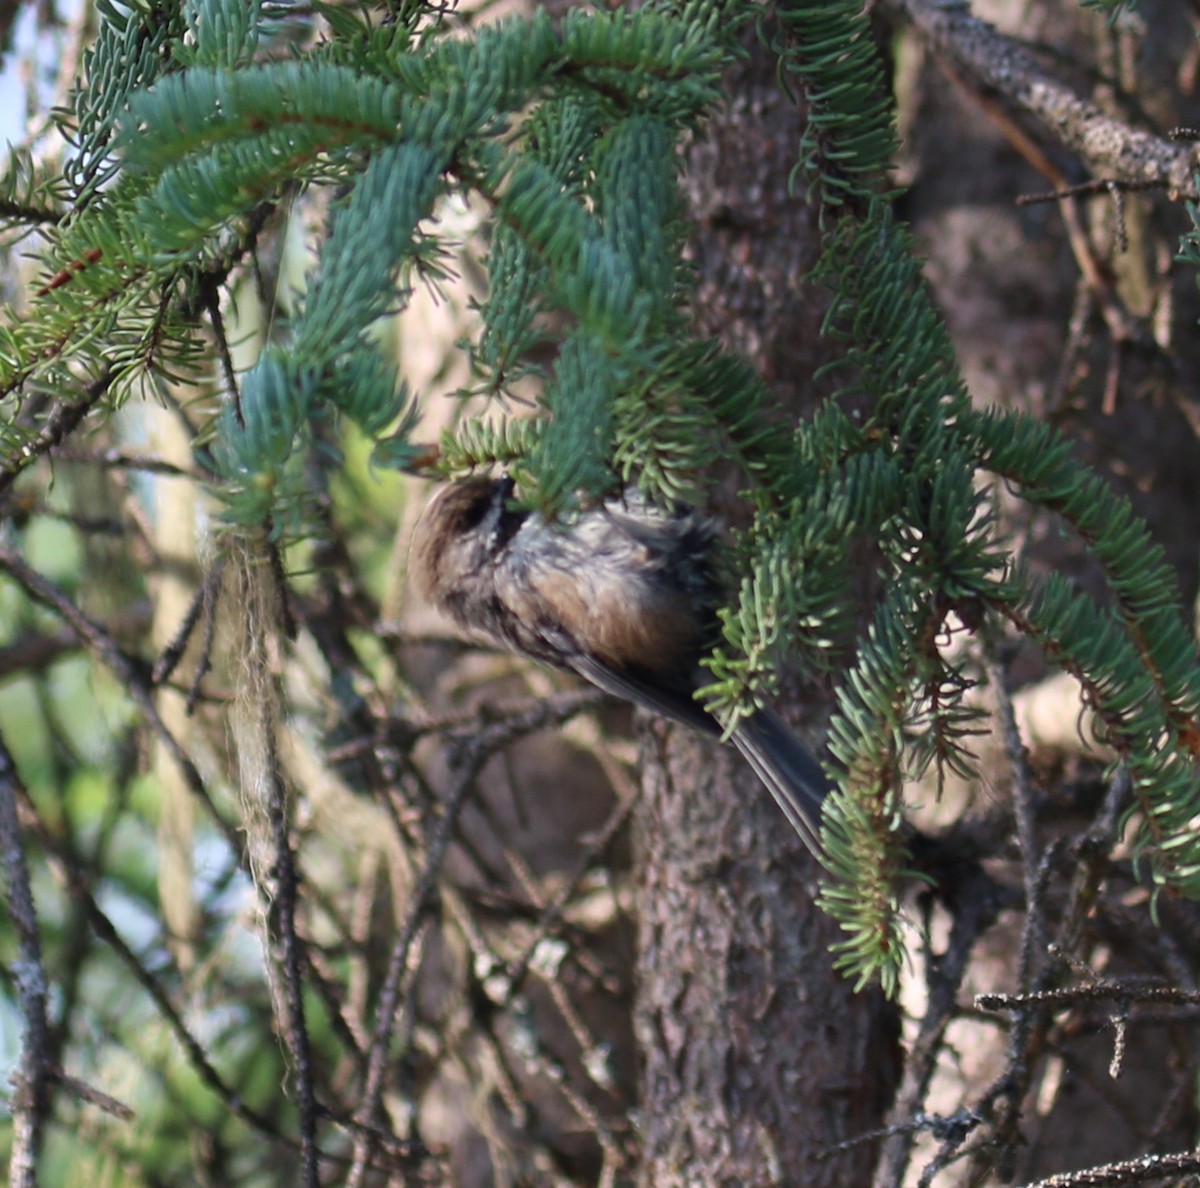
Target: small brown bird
x=626, y=595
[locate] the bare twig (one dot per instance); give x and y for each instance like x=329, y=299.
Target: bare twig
x=93, y=1096
x=204, y=603
x=552, y=910
x=1127, y=1171
x=471, y=755
x=130, y=673
x=75, y=878
x=389, y=998
x=1112, y=149
x=119, y=459
x=976, y=906
x=31, y=1102
x=1121, y=992
x=1034, y=936
x=292, y=961
x=64, y=418
x=34, y=651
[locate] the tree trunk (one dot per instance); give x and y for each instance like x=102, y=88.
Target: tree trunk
x=758, y=1056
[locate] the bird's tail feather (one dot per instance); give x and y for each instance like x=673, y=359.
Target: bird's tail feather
x=789, y=770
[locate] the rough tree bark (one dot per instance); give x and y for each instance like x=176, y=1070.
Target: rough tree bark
x=758, y=1057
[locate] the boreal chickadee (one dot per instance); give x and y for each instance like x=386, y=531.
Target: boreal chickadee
x=625, y=595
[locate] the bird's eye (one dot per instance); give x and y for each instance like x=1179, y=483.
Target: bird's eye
x=474, y=512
